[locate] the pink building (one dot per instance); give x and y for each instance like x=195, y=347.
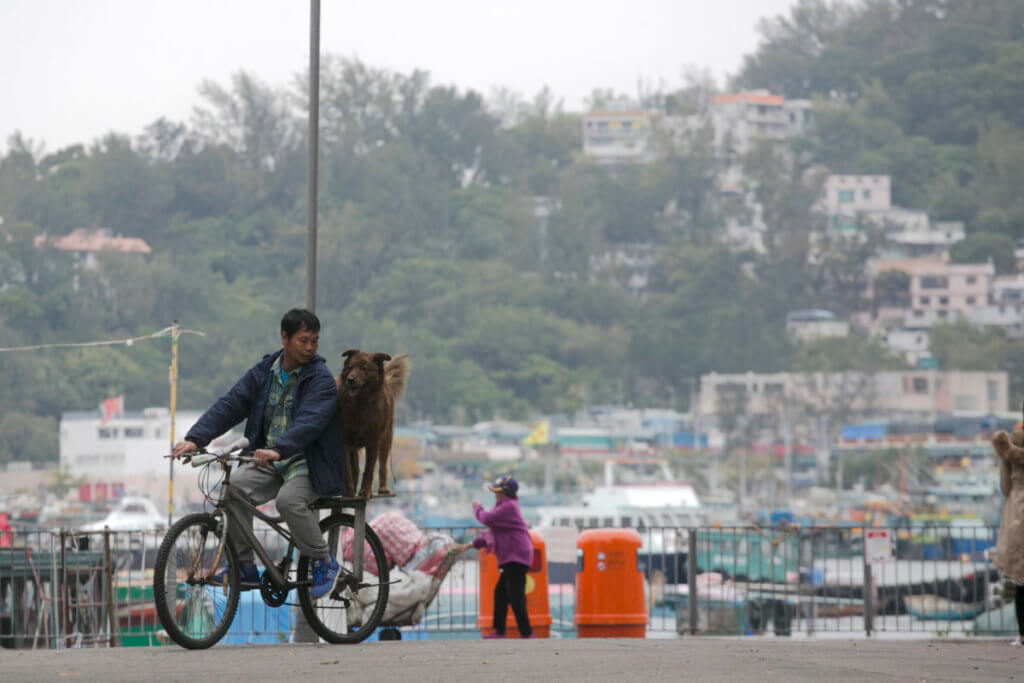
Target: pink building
x=941, y=291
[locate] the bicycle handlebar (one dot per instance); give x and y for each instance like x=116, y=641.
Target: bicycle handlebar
x=236, y=450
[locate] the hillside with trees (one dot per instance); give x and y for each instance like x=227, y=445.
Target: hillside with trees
x=468, y=232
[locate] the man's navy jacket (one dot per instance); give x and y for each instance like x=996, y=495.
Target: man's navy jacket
x=315, y=428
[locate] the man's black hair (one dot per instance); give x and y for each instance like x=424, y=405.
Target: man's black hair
x=298, y=319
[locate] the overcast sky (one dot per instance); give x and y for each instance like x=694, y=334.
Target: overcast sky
x=71, y=70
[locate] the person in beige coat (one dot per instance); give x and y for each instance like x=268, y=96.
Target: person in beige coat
x=1009, y=553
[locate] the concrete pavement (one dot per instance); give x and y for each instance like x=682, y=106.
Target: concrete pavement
x=454, y=661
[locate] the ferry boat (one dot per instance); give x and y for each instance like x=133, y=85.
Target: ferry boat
x=639, y=494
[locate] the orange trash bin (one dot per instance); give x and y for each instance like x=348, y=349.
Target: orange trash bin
x=536, y=593
x=609, y=585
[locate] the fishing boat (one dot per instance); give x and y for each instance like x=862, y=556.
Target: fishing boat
x=937, y=608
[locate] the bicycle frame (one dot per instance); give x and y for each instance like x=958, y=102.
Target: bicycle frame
x=277, y=579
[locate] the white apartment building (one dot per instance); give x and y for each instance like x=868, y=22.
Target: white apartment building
x=850, y=194
x=908, y=391
x=128, y=449
x=914, y=345
x=741, y=119
x=617, y=136
x=811, y=324
x=629, y=265
x=915, y=240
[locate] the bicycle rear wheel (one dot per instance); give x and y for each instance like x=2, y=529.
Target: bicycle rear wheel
x=195, y=610
x=351, y=612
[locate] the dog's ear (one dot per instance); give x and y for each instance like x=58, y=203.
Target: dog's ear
x=349, y=353
x=379, y=359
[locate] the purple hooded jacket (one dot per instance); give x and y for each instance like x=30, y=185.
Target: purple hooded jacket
x=506, y=534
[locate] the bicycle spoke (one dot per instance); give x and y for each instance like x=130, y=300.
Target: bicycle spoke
x=195, y=610
x=351, y=611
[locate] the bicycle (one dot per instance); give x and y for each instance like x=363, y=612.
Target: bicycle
x=196, y=610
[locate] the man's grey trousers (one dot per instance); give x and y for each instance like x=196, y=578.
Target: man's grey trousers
x=293, y=500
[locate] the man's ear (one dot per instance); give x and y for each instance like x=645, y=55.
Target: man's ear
x=379, y=359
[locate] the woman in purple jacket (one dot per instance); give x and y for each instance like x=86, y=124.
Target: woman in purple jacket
x=508, y=539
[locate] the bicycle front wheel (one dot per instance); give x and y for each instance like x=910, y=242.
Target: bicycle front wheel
x=351, y=612
x=195, y=608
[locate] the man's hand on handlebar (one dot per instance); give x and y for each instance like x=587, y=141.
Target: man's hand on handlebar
x=265, y=455
x=183, y=448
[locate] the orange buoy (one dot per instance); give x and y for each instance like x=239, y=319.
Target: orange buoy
x=609, y=585
x=536, y=593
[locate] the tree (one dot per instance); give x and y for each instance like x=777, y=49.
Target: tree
x=892, y=288
x=28, y=437
x=981, y=247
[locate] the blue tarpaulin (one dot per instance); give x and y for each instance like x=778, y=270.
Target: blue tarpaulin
x=868, y=432
x=255, y=622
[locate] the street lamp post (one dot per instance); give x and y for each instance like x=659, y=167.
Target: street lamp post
x=314, y=144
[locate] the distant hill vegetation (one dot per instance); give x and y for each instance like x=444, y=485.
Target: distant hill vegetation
x=473, y=234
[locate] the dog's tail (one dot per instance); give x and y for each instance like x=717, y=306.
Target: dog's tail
x=397, y=373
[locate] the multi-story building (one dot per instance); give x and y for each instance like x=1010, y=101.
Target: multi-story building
x=128, y=448
x=855, y=194
x=925, y=392
x=914, y=345
x=811, y=324
x=741, y=119
x=628, y=265
x=931, y=239
x=617, y=136
x=943, y=292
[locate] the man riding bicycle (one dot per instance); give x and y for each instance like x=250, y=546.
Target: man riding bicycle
x=290, y=404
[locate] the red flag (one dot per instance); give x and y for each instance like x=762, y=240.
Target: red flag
x=112, y=407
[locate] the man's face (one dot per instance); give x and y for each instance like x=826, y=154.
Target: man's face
x=301, y=346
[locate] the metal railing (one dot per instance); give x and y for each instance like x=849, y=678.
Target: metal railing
x=69, y=588
x=746, y=580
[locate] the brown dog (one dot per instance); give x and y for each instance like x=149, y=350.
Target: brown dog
x=368, y=387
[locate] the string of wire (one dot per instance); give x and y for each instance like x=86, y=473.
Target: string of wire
x=159, y=334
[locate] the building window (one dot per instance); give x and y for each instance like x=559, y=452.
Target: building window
x=993, y=390
x=845, y=196
x=108, y=432
x=925, y=300
x=918, y=314
x=971, y=279
x=970, y=300
x=133, y=432
x=943, y=300
x=934, y=282
x=920, y=385
x=866, y=194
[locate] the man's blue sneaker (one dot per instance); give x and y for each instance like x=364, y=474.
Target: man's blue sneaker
x=324, y=571
x=248, y=574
